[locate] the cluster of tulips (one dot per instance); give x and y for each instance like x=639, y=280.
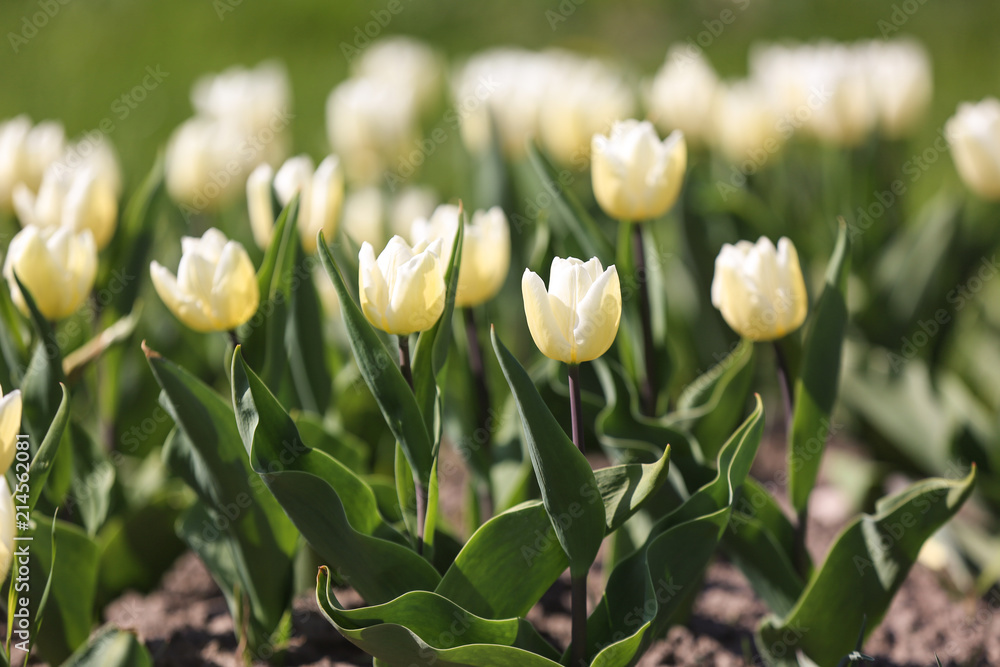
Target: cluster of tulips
x=398, y=263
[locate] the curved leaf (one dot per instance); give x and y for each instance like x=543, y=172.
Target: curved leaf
x=112, y=647
x=333, y=508
x=41, y=463
x=865, y=567
x=624, y=488
x=394, y=397
x=425, y=628
x=568, y=486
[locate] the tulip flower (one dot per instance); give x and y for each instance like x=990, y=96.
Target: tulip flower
x=759, y=289
x=56, y=265
x=636, y=176
x=745, y=125
x=577, y=319
x=7, y=528
x=25, y=153
x=974, y=137
x=215, y=288
x=410, y=203
x=402, y=291
x=77, y=199
x=10, y=424
x=485, y=250
x=900, y=79
x=682, y=94
x=406, y=63
x=321, y=196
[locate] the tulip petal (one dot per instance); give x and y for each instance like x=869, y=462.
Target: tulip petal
x=184, y=308
x=599, y=315
x=235, y=293
x=542, y=323
x=374, y=291
x=10, y=424
x=417, y=294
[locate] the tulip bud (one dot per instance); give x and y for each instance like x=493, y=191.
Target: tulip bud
x=760, y=291
x=974, y=136
x=682, y=94
x=57, y=265
x=485, y=250
x=406, y=63
x=402, y=291
x=10, y=424
x=899, y=75
x=577, y=319
x=7, y=528
x=215, y=288
x=636, y=177
x=322, y=193
x=25, y=153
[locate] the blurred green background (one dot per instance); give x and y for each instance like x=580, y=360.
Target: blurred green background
x=90, y=52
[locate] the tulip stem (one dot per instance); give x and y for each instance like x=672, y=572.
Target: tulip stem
x=578, y=585
x=576, y=413
x=404, y=359
x=478, y=368
x=785, y=385
x=234, y=338
x=648, y=353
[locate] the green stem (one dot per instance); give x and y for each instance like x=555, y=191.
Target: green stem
x=478, y=367
x=421, y=489
x=576, y=413
x=404, y=359
x=578, y=590
x=648, y=353
x=800, y=554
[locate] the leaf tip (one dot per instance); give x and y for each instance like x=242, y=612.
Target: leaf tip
x=149, y=352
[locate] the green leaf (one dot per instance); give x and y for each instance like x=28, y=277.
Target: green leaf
x=44, y=457
x=569, y=212
x=816, y=387
x=69, y=611
x=333, y=508
x=304, y=340
x=392, y=393
x=568, y=486
x=40, y=383
x=111, y=647
x=425, y=628
x=406, y=494
x=517, y=545
x=647, y=587
x=134, y=239
x=431, y=350
x=625, y=488
x=93, y=480
x=207, y=452
x=874, y=554
x=342, y=446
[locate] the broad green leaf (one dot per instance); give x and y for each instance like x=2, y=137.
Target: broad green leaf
x=393, y=395
x=69, y=612
x=816, y=387
x=431, y=350
x=647, y=587
x=626, y=487
x=40, y=383
x=426, y=628
x=44, y=457
x=568, y=486
x=517, y=545
x=865, y=567
x=761, y=542
x=112, y=647
x=342, y=446
x=569, y=212
x=304, y=342
x=333, y=508
x=207, y=452
x=93, y=480
x=406, y=494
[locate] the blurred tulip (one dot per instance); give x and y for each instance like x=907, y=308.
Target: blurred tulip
x=7, y=528
x=682, y=94
x=407, y=64
x=403, y=291
x=10, y=425
x=637, y=177
x=485, y=250
x=900, y=79
x=410, y=203
x=251, y=98
x=974, y=136
x=371, y=125
x=746, y=127
x=77, y=199
x=364, y=215
x=760, y=290
x=25, y=153
x=322, y=195
x=199, y=155
x=216, y=286
x=577, y=319
x=57, y=265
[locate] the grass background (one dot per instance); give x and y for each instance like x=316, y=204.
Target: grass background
x=91, y=52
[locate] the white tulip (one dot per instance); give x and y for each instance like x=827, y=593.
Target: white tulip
x=974, y=137
x=406, y=63
x=759, y=290
x=637, y=177
x=682, y=94
x=25, y=153
x=900, y=79
x=216, y=286
x=403, y=291
x=364, y=216
x=577, y=318
x=78, y=200
x=410, y=203
x=56, y=265
x=7, y=528
x=253, y=99
x=746, y=127
x=10, y=425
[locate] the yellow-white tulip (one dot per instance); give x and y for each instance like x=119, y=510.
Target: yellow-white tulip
x=402, y=291
x=577, y=319
x=215, y=288
x=364, y=216
x=406, y=63
x=57, y=265
x=76, y=199
x=682, y=94
x=637, y=177
x=25, y=153
x=485, y=250
x=760, y=290
x=746, y=127
x=899, y=73
x=10, y=424
x=7, y=528
x=974, y=136
x=322, y=195
x=410, y=203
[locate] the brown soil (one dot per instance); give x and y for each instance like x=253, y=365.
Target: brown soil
x=186, y=622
